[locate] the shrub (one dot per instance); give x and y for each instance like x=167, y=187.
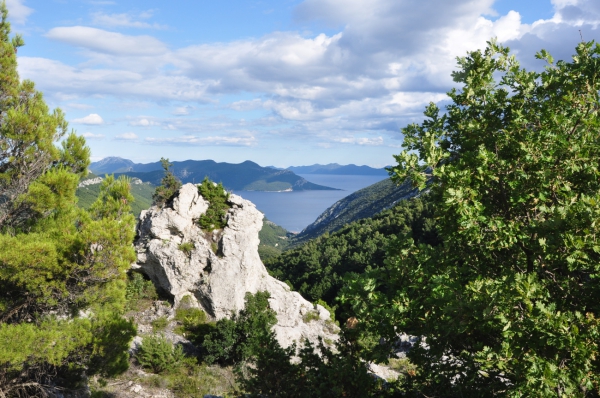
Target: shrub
x=312, y=315
x=190, y=317
x=160, y=324
x=217, y=197
x=158, y=354
x=139, y=288
x=186, y=247
x=235, y=340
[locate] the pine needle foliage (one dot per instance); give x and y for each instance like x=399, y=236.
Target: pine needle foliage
x=168, y=185
x=62, y=269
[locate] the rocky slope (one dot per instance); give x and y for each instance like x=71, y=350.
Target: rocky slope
x=217, y=268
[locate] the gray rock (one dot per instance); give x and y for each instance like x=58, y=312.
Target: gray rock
x=219, y=281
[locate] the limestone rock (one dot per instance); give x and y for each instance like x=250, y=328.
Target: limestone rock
x=222, y=265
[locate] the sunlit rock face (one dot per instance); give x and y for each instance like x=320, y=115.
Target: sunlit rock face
x=221, y=266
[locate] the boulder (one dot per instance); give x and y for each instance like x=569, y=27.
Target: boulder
x=217, y=268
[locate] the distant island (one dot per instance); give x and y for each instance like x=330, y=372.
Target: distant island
x=245, y=176
x=338, y=169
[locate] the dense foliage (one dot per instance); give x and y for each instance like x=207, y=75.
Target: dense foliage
x=142, y=194
x=273, y=240
x=243, y=336
x=508, y=304
x=217, y=197
x=318, y=371
x=169, y=184
x=62, y=268
x=318, y=268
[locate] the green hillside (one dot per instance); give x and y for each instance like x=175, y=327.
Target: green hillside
x=317, y=268
x=361, y=204
x=273, y=240
x=141, y=192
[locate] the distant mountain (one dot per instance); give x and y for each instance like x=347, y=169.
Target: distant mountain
x=111, y=165
x=246, y=176
x=337, y=169
x=361, y=204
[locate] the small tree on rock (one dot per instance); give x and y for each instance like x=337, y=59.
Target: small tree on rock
x=168, y=185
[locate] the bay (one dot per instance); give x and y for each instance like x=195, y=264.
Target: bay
x=294, y=211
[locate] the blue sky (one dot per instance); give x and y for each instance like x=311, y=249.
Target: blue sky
x=287, y=82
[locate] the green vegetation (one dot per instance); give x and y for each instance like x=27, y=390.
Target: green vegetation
x=316, y=372
x=273, y=240
x=62, y=268
x=139, y=288
x=158, y=354
x=142, y=194
x=238, y=177
x=242, y=337
x=317, y=269
x=312, y=315
x=217, y=197
x=186, y=247
x=160, y=324
x=509, y=301
x=169, y=184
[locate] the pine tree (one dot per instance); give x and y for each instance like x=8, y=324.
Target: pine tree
x=168, y=185
x=62, y=269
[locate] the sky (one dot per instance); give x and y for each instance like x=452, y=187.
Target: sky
x=278, y=82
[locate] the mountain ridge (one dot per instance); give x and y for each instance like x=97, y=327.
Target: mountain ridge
x=338, y=169
x=245, y=176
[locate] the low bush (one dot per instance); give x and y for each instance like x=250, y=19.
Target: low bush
x=160, y=324
x=217, y=197
x=139, y=292
x=186, y=247
x=232, y=341
x=158, y=354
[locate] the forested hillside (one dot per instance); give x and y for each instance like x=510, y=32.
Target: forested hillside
x=317, y=268
x=363, y=203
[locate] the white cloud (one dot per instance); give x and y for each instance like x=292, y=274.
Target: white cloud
x=92, y=119
x=107, y=42
x=182, y=110
x=92, y=136
x=210, y=140
x=61, y=80
x=144, y=122
x=125, y=20
x=375, y=74
x=126, y=137
x=17, y=11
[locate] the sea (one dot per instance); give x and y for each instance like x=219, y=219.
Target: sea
x=294, y=211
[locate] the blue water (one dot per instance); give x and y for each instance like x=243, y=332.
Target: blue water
x=296, y=210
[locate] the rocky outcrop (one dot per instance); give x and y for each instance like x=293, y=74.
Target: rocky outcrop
x=217, y=268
